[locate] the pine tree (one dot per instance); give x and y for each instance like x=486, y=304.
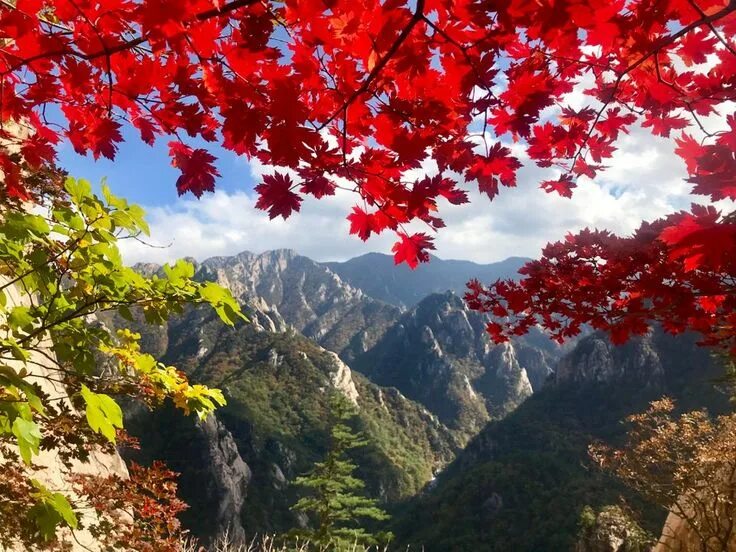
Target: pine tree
x=336, y=502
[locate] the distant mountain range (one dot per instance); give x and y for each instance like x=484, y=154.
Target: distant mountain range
x=378, y=276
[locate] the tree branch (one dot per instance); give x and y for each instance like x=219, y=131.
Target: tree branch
x=418, y=16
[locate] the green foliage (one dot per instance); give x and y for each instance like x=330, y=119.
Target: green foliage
x=103, y=413
x=611, y=524
x=52, y=509
x=335, y=502
x=278, y=414
x=60, y=268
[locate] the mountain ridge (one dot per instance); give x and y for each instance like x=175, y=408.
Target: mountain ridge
x=379, y=277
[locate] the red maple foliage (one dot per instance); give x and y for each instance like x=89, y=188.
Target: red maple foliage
x=355, y=94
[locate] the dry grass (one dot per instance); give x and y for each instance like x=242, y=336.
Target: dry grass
x=267, y=543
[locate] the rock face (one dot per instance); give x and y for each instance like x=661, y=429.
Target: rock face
x=595, y=359
x=230, y=477
x=305, y=295
x=439, y=355
x=342, y=379
x=611, y=530
x=214, y=477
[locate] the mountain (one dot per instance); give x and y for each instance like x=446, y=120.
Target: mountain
x=236, y=469
x=379, y=277
x=439, y=355
x=522, y=483
x=436, y=353
x=424, y=381
x=306, y=295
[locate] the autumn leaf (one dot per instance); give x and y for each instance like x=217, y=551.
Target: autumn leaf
x=498, y=167
x=412, y=249
x=318, y=186
x=276, y=197
x=197, y=170
x=563, y=185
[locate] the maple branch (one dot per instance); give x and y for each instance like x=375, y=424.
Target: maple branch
x=406, y=31
x=715, y=32
x=123, y=46
x=706, y=20
x=682, y=94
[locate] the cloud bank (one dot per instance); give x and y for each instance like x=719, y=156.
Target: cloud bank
x=645, y=180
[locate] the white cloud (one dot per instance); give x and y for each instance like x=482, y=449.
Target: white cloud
x=645, y=180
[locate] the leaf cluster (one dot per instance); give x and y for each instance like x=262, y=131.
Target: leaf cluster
x=60, y=368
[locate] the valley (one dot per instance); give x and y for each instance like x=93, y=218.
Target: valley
x=470, y=445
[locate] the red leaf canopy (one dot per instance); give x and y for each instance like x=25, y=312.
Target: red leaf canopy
x=357, y=93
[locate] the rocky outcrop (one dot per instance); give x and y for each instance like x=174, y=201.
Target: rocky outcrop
x=214, y=477
x=439, y=354
x=305, y=295
x=596, y=360
x=611, y=530
x=342, y=379
x=229, y=480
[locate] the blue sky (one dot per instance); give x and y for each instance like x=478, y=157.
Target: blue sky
x=143, y=174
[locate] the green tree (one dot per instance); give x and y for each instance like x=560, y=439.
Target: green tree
x=336, y=502
x=60, y=369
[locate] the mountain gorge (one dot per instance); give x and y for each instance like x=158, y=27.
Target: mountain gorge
x=470, y=443
x=523, y=482
x=309, y=332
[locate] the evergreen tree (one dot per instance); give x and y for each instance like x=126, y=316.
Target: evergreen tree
x=335, y=502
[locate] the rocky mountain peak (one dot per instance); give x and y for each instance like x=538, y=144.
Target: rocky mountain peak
x=439, y=355
x=306, y=295
x=597, y=360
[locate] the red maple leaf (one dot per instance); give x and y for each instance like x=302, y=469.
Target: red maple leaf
x=318, y=186
x=499, y=166
x=412, y=249
x=563, y=185
x=276, y=197
x=364, y=224
x=197, y=169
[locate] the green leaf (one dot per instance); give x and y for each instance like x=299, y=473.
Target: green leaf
x=137, y=214
x=37, y=225
x=28, y=435
x=59, y=503
x=52, y=510
x=180, y=271
x=103, y=413
x=20, y=317
x=78, y=189
x=223, y=302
